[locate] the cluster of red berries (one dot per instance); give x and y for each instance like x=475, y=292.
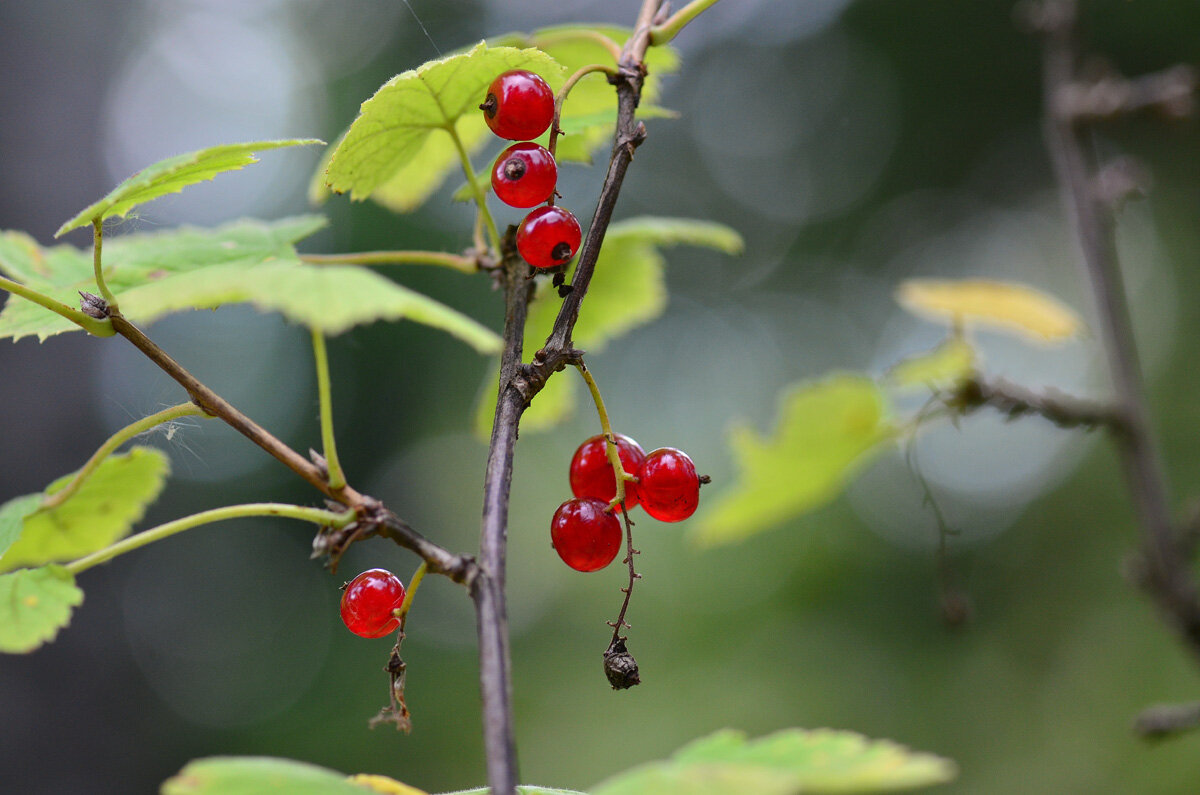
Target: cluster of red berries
x=370, y=603
x=585, y=530
x=519, y=107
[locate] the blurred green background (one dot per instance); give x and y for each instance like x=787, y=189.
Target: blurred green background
x=853, y=144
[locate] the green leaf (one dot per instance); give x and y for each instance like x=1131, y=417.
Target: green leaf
x=825, y=431
x=62, y=271
x=521, y=790
x=245, y=262
x=34, y=605
x=628, y=289
x=393, y=126
x=257, y=775
x=173, y=175
x=104, y=509
x=784, y=763
x=950, y=363
x=12, y=518
x=1008, y=306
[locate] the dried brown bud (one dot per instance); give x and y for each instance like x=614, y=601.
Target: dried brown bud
x=620, y=667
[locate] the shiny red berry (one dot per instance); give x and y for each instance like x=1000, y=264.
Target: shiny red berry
x=519, y=105
x=548, y=236
x=524, y=175
x=368, y=601
x=592, y=475
x=586, y=535
x=668, y=485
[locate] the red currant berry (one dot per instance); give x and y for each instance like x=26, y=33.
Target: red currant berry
x=524, y=175
x=519, y=105
x=548, y=236
x=668, y=486
x=592, y=475
x=586, y=534
x=368, y=601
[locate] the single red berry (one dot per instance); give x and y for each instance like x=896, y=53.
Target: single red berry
x=668, y=486
x=368, y=601
x=548, y=236
x=586, y=534
x=519, y=105
x=524, y=175
x=592, y=475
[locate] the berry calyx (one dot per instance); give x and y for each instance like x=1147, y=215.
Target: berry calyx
x=668, y=485
x=548, y=237
x=368, y=602
x=585, y=533
x=592, y=475
x=524, y=175
x=519, y=105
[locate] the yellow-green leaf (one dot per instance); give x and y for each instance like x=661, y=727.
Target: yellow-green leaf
x=173, y=175
x=257, y=775
x=393, y=125
x=104, y=510
x=950, y=363
x=1010, y=306
x=12, y=518
x=384, y=785
x=785, y=763
x=34, y=605
x=825, y=430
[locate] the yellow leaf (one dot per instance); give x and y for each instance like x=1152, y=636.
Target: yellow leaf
x=388, y=786
x=1005, y=305
x=948, y=364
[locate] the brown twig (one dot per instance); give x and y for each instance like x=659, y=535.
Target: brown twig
x=1065, y=411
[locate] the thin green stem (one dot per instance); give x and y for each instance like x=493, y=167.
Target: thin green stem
x=418, y=575
x=455, y=261
x=614, y=457
x=99, y=328
x=116, y=440
x=315, y=515
x=473, y=181
x=555, y=128
x=661, y=34
x=97, y=244
x=337, y=478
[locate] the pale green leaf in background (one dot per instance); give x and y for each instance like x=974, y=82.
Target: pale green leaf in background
x=12, y=518
x=34, y=605
x=553, y=405
x=950, y=363
x=1007, y=306
x=393, y=125
x=787, y=762
x=173, y=175
x=825, y=431
x=257, y=775
x=104, y=510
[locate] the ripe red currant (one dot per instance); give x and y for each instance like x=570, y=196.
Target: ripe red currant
x=668, y=486
x=524, y=175
x=368, y=601
x=548, y=236
x=586, y=535
x=519, y=105
x=592, y=475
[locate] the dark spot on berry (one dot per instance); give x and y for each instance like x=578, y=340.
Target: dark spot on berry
x=514, y=168
x=489, y=106
x=561, y=252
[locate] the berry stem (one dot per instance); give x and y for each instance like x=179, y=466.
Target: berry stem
x=315, y=515
x=97, y=244
x=337, y=478
x=663, y=33
x=633, y=575
x=456, y=262
x=555, y=129
x=418, y=575
x=610, y=447
x=116, y=440
x=93, y=326
x=476, y=190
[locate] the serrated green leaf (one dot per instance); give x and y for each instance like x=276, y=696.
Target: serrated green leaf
x=104, y=510
x=257, y=775
x=34, y=605
x=826, y=430
x=12, y=518
x=61, y=271
x=784, y=763
x=393, y=125
x=1008, y=306
x=948, y=364
x=628, y=289
x=437, y=158
x=173, y=175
